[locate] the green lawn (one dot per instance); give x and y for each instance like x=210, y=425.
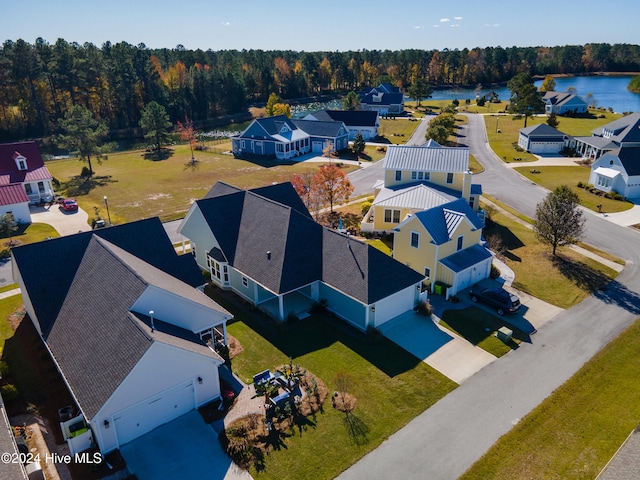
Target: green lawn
x=564, y=280
x=396, y=131
x=575, y=431
x=391, y=387
x=509, y=126
x=7, y=307
x=479, y=327
x=139, y=187
x=30, y=233
x=384, y=246
x=474, y=165
x=498, y=107
x=552, y=177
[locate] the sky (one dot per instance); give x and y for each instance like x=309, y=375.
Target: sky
x=330, y=25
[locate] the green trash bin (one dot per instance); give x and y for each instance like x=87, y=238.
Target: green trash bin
x=438, y=289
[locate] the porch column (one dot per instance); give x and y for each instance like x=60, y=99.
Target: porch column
x=281, y=306
x=224, y=333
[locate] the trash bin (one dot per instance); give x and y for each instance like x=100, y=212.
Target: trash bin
x=438, y=289
x=504, y=334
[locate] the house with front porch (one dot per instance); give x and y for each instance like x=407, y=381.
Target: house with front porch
x=132, y=336
x=443, y=243
x=563, y=103
x=21, y=164
x=621, y=133
x=264, y=246
x=384, y=99
x=618, y=171
x=325, y=134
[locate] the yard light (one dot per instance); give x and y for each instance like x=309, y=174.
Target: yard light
x=106, y=204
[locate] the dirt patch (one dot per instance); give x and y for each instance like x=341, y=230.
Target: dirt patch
x=345, y=402
x=235, y=347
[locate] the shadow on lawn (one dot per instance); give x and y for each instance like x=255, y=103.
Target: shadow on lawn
x=581, y=274
x=81, y=185
x=358, y=430
x=316, y=333
x=156, y=156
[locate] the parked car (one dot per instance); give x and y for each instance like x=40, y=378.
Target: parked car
x=69, y=205
x=501, y=300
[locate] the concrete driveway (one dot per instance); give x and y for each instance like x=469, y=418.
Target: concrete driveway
x=186, y=448
x=450, y=354
x=65, y=223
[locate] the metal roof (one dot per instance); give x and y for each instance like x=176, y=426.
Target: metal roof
x=428, y=159
x=466, y=258
x=414, y=197
x=12, y=194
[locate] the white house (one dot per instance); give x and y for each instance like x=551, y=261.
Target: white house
x=22, y=164
x=14, y=200
x=130, y=334
x=542, y=139
x=618, y=171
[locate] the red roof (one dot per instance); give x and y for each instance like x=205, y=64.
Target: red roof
x=12, y=194
x=9, y=172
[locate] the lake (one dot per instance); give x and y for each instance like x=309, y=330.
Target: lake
x=607, y=91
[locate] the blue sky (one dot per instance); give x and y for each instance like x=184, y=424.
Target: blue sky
x=322, y=25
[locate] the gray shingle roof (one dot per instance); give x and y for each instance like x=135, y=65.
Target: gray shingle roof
x=542, y=130
x=351, y=118
x=9, y=470
x=630, y=158
x=301, y=252
x=625, y=129
x=384, y=99
x=432, y=159
x=317, y=128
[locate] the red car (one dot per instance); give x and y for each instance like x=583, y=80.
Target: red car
x=69, y=205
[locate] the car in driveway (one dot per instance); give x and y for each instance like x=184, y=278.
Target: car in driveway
x=498, y=298
x=69, y=205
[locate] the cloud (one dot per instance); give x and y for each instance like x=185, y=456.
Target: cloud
x=444, y=20
x=226, y=24
x=455, y=25
x=492, y=25
x=417, y=27
x=436, y=26
x=457, y=18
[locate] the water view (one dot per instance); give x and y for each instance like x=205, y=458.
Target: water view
x=607, y=91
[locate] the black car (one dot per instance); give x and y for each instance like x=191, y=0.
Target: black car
x=503, y=301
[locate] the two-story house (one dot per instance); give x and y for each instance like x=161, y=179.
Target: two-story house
x=563, y=103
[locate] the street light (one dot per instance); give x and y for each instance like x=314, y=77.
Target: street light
x=497, y=129
x=106, y=204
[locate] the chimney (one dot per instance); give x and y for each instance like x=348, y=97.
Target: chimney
x=151, y=312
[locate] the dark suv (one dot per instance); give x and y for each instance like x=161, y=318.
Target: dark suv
x=503, y=301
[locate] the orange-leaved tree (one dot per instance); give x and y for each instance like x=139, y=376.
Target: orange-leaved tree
x=332, y=185
x=188, y=134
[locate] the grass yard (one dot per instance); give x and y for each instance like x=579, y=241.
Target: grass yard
x=7, y=307
x=498, y=107
x=479, y=328
x=509, y=126
x=385, y=246
x=30, y=233
x=396, y=131
x=552, y=177
x=474, y=165
x=575, y=431
x=391, y=387
x=563, y=281
x=139, y=187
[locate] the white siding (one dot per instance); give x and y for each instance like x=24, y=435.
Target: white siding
x=396, y=304
x=163, y=367
x=196, y=229
x=20, y=211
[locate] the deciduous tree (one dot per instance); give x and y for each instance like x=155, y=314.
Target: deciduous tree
x=441, y=128
x=559, y=220
x=332, y=185
x=155, y=122
x=548, y=84
x=552, y=120
x=271, y=102
x=188, y=134
x=8, y=226
x=83, y=134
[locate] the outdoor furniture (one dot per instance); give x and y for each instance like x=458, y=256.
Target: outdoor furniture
x=263, y=377
x=280, y=399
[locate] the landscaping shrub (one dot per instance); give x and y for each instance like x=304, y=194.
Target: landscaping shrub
x=9, y=392
x=364, y=207
x=4, y=369
x=495, y=272
x=424, y=308
x=580, y=185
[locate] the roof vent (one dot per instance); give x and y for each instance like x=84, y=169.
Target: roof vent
x=268, y=254
x=151, y=312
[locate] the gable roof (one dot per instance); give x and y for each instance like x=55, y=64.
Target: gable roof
x=629, y=157
x=561, y=98
x=415, y=196
x=319, y=128
x=386, y=88
x=542, y=130
x=382, y=98
x=468, y=257
x=279, y=128
x=220, y=189
x=48, y=282
x=283, y=249
x=622, y=130
x=9, y=173
x=95, y=339
x=351, y=118
x=12, y=194
x=442, y=220
x=427, y=158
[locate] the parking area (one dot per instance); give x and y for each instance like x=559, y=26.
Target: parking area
x=185, y=448
x=65, y=223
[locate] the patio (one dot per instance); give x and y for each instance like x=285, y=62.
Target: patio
x=294, y=302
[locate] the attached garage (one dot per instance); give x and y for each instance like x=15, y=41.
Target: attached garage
x=395, y=304
x=466, y=267
x=316, y=147
x=154, y=411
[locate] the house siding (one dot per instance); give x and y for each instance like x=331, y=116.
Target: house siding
x=20, y=212
x=196, y=229
x=161, y=368
x=345, y=307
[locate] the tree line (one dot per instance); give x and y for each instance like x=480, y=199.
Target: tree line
x=40, y=82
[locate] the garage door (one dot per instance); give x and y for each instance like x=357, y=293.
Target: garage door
x=153, y=412
x=317, y=147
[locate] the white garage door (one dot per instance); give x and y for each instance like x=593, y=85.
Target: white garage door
x=317, y=147
x=153, y=412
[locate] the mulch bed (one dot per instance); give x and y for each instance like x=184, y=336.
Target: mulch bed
x=345, y=402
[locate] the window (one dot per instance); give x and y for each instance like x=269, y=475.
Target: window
x=460, y=241
x=245, y=281
x=427, y=175
x=225, y=271
x=243, y=144
x=41, y=187
x=449, y=177
x=414, y=175
x=28, y=189
x=22, y=165
x=391, y=216
x=415, y=239
x=472, y=200
x=193, y=249
x=427, y=273
x=398, y=175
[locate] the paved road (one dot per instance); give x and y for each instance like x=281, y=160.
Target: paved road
x=449, y=437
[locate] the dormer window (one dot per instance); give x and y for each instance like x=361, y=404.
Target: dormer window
x=285, y=128
x=21, y=162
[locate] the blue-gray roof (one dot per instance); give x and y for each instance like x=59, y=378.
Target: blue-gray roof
x=622, y=130
x=351, y=118
x=542, y=130
x=442, y=220
x=316, y=128
x=466, y=258
x=476, y=189
x=383, y=99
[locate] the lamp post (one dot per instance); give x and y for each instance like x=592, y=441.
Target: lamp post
x=106, y=204
x=497, y=118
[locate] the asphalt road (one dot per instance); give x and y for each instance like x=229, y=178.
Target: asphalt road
x=445, y=440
